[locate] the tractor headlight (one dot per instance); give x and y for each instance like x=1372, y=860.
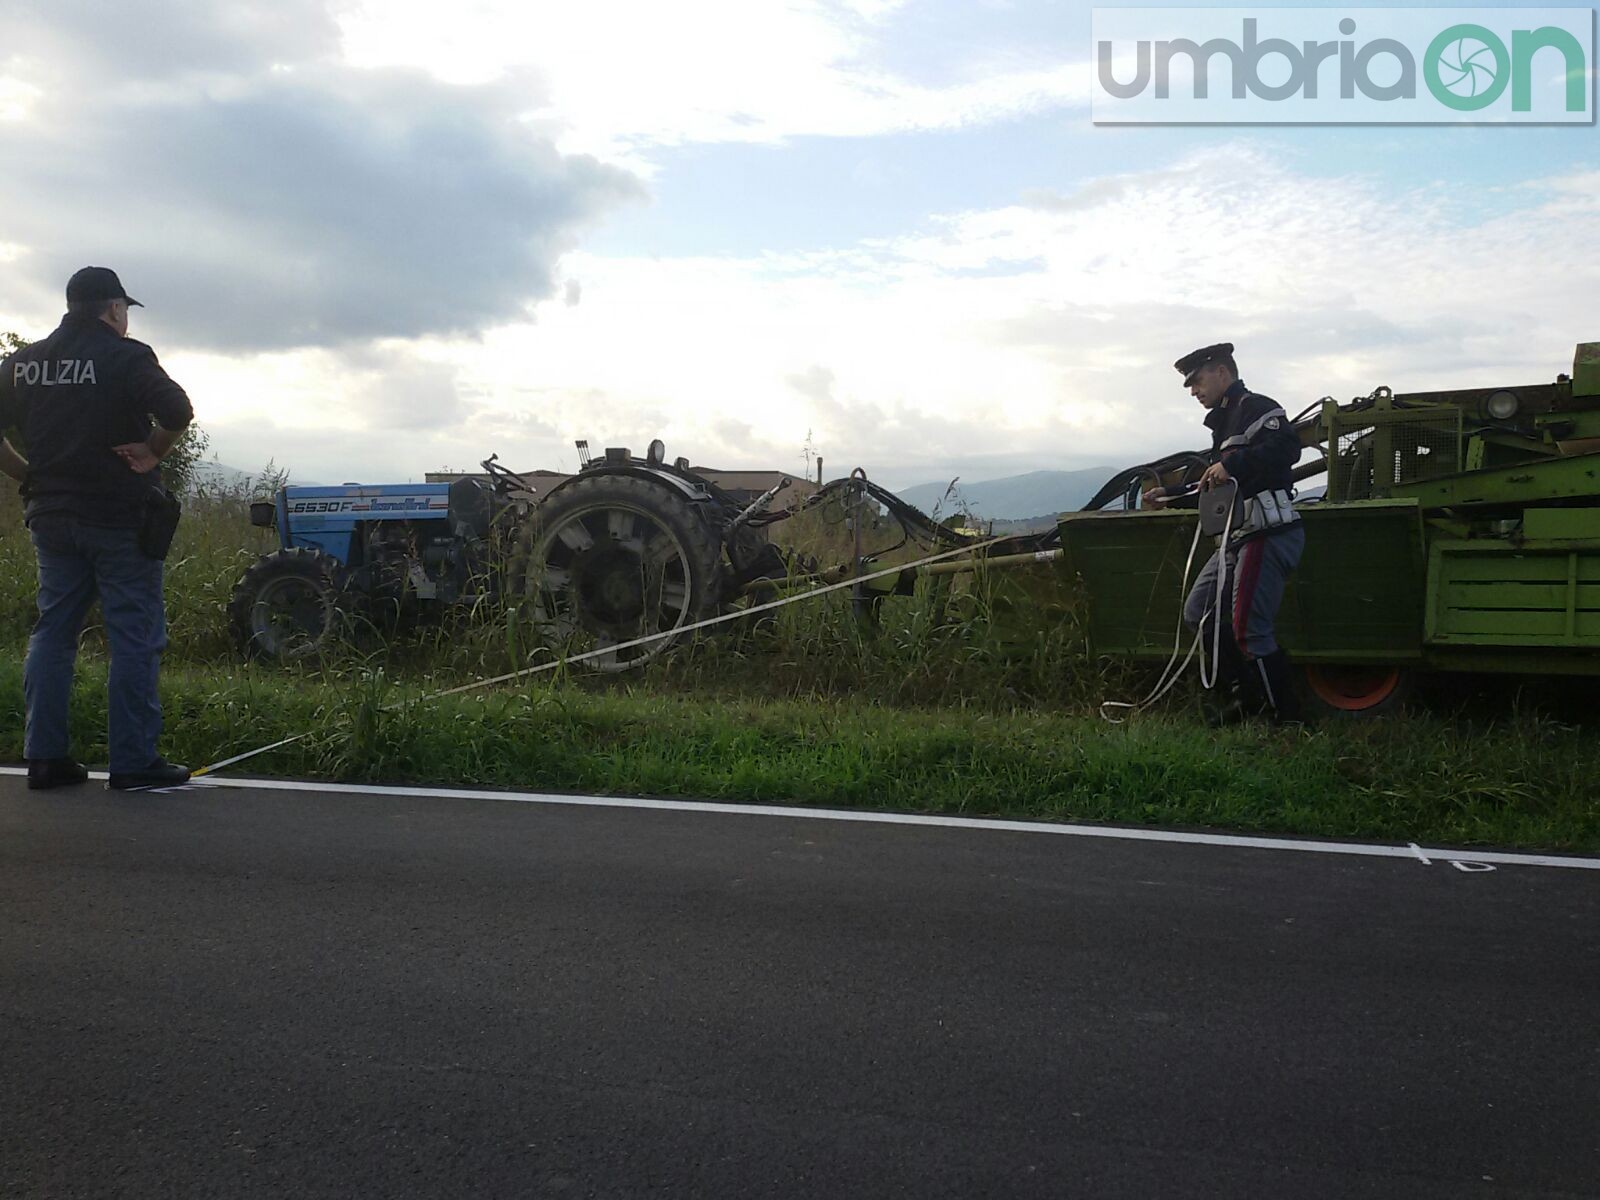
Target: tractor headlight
x=1502, y=406
x=657, y=453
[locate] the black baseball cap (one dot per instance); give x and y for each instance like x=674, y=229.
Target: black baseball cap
x=98, y=283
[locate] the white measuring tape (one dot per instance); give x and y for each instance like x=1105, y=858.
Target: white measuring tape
x=676, y=631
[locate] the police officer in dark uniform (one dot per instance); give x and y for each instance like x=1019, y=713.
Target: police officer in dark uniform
x=1253, y=443
x=97, y=414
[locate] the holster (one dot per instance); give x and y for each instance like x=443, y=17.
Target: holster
x=158, y=522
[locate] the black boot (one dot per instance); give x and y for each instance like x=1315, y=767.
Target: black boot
x=1277, y=683
x=1253, y=695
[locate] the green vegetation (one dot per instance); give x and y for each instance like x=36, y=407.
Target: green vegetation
x=1523, y=781
x=978, y=700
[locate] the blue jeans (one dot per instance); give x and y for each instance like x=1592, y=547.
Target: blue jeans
x=77, y=562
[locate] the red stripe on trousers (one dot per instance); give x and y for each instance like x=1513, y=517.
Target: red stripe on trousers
x=1244, y=591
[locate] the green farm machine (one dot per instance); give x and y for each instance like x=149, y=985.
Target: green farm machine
x=1459, y=531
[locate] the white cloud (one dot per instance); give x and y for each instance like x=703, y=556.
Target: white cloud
x=624, y=77
x=260, y=207
x=17, y=98
x=391, y=412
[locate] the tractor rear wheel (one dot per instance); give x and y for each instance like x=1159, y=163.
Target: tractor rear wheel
x=613, y=558
x=1343, y=690
x=285, y=607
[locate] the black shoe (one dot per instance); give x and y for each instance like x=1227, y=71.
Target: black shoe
x=54, y=772
x=160, y=773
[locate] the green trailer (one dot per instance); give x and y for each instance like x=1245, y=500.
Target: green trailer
x=1459, y=531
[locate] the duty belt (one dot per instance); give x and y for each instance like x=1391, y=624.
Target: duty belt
x=1271, y=509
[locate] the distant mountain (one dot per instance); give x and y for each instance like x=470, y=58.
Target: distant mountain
x=213, y=474
x=217, y=476
x=1035, y=494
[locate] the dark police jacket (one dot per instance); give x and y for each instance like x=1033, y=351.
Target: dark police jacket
x=75, y=395
x=1251, y=436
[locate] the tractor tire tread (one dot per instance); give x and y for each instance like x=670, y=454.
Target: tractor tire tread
x=702, y=543
x=296, y=560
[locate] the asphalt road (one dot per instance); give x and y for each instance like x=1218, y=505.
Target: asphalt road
x=228, y=992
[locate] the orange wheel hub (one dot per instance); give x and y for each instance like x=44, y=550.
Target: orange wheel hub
x=1352, y=688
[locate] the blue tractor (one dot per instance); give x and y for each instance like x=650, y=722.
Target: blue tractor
x=626, y=548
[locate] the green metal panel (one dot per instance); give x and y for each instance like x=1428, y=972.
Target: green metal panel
x=1357, y=596
x=1557, y=661
x=1131, y=567
x=1025, y=599
x=1581, y=424
x=1574, y=524
x=1511, y=595
x=1548, y=479
x=1491, y=450
x=1586, y=370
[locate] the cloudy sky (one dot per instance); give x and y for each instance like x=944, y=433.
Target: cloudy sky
x=379, y=237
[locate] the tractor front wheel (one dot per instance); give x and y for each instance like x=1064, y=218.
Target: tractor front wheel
x=285, y=607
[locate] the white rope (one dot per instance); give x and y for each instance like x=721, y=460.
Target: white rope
x=1216, y=614
x=1164, y=684
x=679, y=630
x=676, y=631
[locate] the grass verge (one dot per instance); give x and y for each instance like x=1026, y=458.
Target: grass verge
x=1519, y=781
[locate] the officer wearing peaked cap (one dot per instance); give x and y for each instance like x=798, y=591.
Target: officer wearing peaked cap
x=1254, y=444
x=98, y=414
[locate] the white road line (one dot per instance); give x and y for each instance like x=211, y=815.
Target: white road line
x=1115, y=833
